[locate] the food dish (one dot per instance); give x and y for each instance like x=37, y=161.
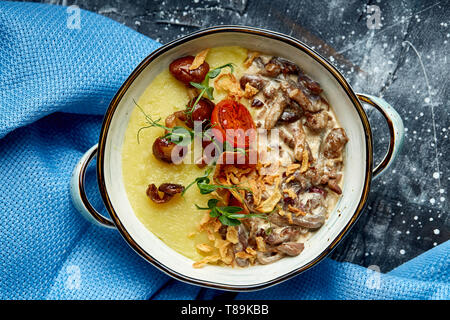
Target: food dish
x=358, y=161
x=260, y=210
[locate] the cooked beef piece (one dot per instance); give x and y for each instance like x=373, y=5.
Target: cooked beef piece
x=334, y=143
x=271, y=69
x=317, y=121
x=256, y=103
x=318, y=190
x=291, y=113
x=311, y=85
x=275, y=110
x=286, y=136
x=278, y=65
x=269, y=92
x=254, y=229
x=223, y=231
x=287, y=67
x=302, y=181
x=333, y=183
x=316, y=176
x=334, y=186
x=312, y=220
x=291, y=248
x=241, y=245
x=255, y=81
x=268, y=257
x=282, y=235
x=299, y=136
x=309, y=102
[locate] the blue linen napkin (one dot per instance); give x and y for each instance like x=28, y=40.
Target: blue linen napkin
x=56, y=80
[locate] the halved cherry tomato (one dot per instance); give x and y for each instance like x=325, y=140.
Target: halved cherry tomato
x=232, y=121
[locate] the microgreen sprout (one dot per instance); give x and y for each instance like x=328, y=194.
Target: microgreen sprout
x=204, y=85
x=228, y=215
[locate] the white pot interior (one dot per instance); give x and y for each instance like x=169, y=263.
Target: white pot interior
x=354, y=175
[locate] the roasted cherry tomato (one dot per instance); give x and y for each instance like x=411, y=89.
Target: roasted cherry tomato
x=231, y=121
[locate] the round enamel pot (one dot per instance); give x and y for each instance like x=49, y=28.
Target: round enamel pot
x=358, y=161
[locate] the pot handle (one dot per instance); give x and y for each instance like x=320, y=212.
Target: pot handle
x=77, y=191
x=396, y=130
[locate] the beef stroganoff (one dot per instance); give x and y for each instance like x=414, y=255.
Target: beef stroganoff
x=233, y=157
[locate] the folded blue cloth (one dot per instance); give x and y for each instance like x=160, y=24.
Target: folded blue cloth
x=55, y=83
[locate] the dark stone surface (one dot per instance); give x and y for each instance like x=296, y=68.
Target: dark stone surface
x=405, y=61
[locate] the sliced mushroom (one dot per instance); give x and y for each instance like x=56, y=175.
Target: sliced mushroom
x=180, y=69
x=171, y=188
x=167, y=151
x=168, y=190
x=173, y=119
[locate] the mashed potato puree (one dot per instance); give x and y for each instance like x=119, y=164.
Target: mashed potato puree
x=173, y=222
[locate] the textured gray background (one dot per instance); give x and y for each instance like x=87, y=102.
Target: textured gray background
x=405, y=61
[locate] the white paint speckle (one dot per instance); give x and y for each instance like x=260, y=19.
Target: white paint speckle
x=436, y=231
x=432, y=201
x=402, y=251
x=436, y=175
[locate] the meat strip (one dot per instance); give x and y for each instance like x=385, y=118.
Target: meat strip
x=285, y=234
x=317, y=121
x=255, y=81
x=241, y=246
x=268, y=257
x=299, y=136
x=291, y=248
x=334, y=143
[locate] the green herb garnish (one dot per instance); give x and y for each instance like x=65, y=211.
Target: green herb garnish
x=204, y=85
x=178, y=135
x=205, y=187
x=228, y=215
x=229, y=147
